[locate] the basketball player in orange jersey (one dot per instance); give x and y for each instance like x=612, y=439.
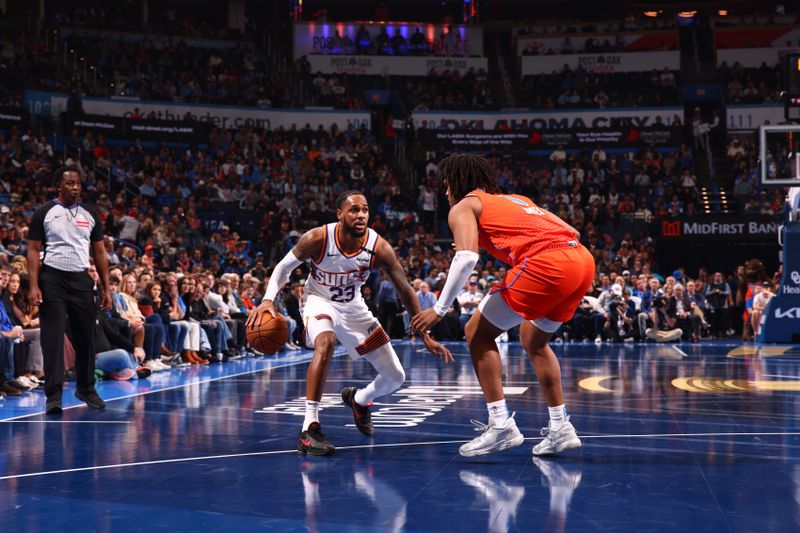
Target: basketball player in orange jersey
x=549, y=275
x=341, y=255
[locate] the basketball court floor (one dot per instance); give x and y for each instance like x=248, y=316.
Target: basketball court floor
x=676, y=437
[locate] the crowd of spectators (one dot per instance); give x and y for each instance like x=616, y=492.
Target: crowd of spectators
x=153, y=68
x=170, y=70
x=599, y=44
x=609, y=26
x=448, y=90
x=741, y=162
x=128, y=16
x=339, y=91
x=750, y=85
x=580, y=88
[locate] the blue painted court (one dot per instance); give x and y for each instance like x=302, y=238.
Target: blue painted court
x=676, y=437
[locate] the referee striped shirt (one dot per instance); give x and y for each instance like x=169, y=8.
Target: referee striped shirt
x=66, y=233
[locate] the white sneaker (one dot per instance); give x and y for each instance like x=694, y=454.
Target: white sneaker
x=557, y=440
x=164, y=366
x=154, y=365
x=26, y=382
x=493, y=438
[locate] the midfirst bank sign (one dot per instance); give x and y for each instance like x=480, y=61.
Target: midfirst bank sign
x=760, y=228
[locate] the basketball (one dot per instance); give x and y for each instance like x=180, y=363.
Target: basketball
x=269, y=334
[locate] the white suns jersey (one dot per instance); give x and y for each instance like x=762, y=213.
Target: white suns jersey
x=336, y=276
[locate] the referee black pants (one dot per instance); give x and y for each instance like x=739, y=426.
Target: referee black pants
x=67, y=294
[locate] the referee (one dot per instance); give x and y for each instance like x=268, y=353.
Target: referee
x=68, y=233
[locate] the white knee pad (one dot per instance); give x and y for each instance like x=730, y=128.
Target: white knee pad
x=385, y=361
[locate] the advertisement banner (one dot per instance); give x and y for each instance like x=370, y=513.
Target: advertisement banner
x=640, y=117
x=145, y=130
x=230, y=117
x=602, y=63
x=750, y=117
x=752, y=57
x=14, y=117
x=312, y=38
x=783, y=310
x=531, y=140
x=751, y=228
x=399, y=66
x=633, y=42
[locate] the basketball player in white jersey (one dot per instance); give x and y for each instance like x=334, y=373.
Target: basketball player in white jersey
x=341, y=255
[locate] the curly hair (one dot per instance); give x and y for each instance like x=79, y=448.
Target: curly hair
x=466, y=172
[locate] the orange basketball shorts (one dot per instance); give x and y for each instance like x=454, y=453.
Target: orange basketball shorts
x=550, y=284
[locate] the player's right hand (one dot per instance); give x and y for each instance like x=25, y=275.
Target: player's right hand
x=265, y=307
x=35, y=296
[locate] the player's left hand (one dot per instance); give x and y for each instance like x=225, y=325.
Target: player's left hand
x=436, y=348
x=425, y=320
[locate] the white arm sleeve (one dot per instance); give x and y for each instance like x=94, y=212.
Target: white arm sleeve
x=460, y=269
x=280, y=276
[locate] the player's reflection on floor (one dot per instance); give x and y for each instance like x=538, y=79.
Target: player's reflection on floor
x=502, y=498
x=562, y=479
x=386, y=504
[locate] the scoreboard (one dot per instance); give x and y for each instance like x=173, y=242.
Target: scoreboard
x=792, y=95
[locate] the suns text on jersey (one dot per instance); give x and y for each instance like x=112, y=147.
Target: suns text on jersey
x=339, y=279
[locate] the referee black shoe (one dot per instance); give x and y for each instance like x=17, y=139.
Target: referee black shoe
x=361, y=414
x=313, y=442
x=53, y=406
x=91, y=399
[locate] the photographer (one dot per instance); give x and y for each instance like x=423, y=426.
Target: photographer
x=619, y=325
x=605, y=302
x=718, y=298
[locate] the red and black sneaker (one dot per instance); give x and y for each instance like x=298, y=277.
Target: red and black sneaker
x=361, y=414
x=313, y=442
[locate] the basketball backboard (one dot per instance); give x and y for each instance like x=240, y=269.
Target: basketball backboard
x=779, y=155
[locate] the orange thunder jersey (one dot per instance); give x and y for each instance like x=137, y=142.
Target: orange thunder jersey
x=512, y=228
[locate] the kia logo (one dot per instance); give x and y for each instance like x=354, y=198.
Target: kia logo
x=671, y=229
x=794, y=312
x=795, y=277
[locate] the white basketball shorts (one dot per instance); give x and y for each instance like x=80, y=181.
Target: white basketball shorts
x=353, y=324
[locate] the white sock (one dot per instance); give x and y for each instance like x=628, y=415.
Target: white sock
x=498, y=412
x=312, y=413
x=390, y=375
x=558, y=414
x=362, y=396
